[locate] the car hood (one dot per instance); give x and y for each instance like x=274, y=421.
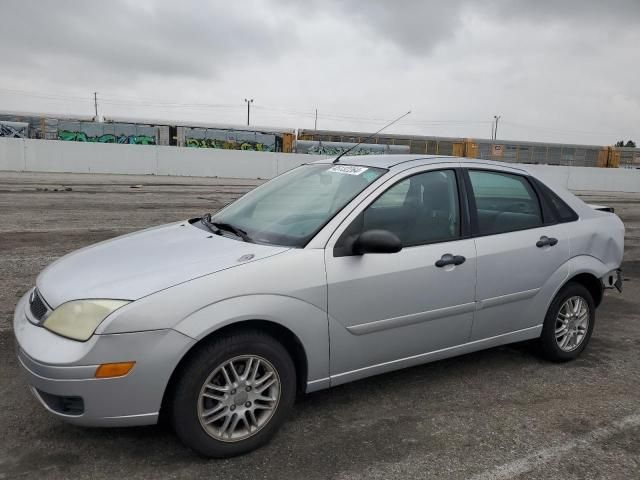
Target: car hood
x=141, y=263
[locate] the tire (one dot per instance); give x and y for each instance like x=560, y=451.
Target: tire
x=192, y=401
x=551, y=347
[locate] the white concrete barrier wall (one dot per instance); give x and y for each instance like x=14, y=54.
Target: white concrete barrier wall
x=12, y=154
x=79, y=157
x=553, y=174
x=56, y=156
x=589, y=179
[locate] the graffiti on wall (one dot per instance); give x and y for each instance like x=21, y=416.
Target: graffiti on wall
x=314, y=147
x=228, y=144
x=75, y=136
x=334, y=150
x=228, y=139
x=14, y=129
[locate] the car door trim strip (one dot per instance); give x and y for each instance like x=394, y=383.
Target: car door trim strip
x=511, y=297
x=411, y=319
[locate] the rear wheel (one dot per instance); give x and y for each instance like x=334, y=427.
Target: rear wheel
x=233, y=394
x=568, y=324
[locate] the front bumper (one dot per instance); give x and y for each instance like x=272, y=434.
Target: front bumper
x=60, y=372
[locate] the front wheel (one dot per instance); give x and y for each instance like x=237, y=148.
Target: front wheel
x=568, y=324
x=233, y=394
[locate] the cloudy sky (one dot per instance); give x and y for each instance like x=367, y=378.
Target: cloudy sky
x=555, y=70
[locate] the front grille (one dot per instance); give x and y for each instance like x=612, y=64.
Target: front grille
x=37, y=306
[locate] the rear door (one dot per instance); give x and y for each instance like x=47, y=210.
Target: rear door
x=522, y=253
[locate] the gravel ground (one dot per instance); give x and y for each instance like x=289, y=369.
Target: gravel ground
x=500, y=413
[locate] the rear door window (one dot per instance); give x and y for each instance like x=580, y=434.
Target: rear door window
x=504, y=202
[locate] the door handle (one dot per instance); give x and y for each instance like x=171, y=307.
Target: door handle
x=448, y=259
x=546, y=241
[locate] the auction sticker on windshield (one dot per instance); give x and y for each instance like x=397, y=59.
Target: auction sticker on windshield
x=348, y=169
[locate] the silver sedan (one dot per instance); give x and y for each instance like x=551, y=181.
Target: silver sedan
x=329, y=273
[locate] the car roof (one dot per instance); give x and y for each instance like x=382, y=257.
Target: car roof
x=390, y=161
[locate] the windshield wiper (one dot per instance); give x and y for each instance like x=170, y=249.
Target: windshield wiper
x=206, y=221
x=238, y=232
x=217, y=227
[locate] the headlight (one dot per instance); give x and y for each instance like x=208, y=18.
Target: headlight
x=78, y=319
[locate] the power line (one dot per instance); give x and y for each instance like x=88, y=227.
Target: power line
x=191, y=106
x=113, y=100
x=108, y=99
x=145, y=102
x=347, y=117
x=44, y=95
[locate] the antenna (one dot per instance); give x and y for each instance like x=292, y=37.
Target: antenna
x=370, y=136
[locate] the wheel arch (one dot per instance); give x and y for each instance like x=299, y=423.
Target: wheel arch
x=591, y=283
x=300, y=326
x=280, y=333
x=587, y=270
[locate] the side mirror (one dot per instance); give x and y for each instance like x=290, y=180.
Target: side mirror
x=377, y=241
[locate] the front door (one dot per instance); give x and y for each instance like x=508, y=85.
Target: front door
x=387, y=310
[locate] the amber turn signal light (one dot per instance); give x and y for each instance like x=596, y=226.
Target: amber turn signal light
x=110, y=370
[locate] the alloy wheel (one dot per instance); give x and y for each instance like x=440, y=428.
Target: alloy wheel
x=572, y=323
x=239, y=398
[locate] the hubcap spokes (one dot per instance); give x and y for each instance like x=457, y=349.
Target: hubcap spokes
x=239, y=398
x=572, y=323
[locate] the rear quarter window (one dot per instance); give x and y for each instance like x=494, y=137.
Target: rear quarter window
x=563, y=212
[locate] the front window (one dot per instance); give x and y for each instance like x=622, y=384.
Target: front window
x=290, y=209
x=419, y=210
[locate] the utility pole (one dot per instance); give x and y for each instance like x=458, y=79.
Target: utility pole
x=495, y=131
x=315, y=123
x=249, y=102
x=95, y=104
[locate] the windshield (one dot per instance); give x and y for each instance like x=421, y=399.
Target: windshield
x=290, y=209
